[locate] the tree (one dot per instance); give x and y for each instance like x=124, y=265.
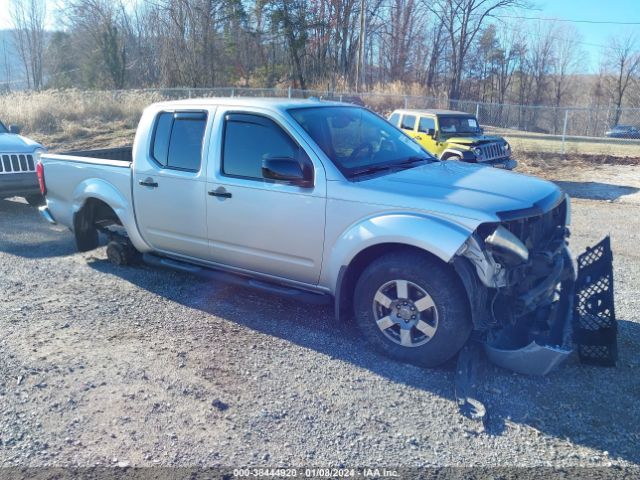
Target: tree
x=28, y=18
x=513, y=49
x=462, y=20
x=103, y=24
x=6, y=84
x=62, y=65
x=402, y=35
x=291, y=16
x=566, y=52
x=624, y=62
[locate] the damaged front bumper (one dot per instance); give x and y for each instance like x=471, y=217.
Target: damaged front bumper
x=534, y=359
x=540, y=338
x=532, y=315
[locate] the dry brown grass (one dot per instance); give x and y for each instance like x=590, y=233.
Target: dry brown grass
x=70, y=111
x=574, y=146
x=79, y=119
x=551, y=165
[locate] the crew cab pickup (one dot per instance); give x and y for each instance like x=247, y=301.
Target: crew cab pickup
x=332, y=201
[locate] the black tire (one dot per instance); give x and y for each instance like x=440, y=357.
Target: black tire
x=86, y=234
x=453, y=318
x=86, y=239
x=35, y=200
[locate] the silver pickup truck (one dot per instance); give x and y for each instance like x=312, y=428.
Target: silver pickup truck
x=329, y=201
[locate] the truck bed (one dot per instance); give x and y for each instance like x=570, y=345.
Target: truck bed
x=124, y=154
x=103, y=174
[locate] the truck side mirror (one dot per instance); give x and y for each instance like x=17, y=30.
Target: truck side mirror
x=14, y=129
x=288, y=170
x=431, y=132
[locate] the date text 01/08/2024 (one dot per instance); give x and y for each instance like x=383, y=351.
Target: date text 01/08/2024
x=316, y=472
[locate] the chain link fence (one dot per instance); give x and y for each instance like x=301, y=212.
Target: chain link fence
x=534, y=129
x=528, y=128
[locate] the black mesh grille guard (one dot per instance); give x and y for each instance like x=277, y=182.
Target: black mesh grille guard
x=595, y=326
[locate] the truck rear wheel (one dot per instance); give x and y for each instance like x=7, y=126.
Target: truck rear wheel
x=86, y=238
x=412, y=308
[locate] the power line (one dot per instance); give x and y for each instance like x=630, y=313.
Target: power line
x=598, y=22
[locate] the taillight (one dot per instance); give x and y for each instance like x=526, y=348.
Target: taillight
x=40, y=173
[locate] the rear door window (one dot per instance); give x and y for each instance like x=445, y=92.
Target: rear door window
x=161, y=136
x=408, y=122
x=178, y=138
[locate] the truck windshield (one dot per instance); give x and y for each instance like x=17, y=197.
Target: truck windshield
x=358, y=141
x=458, y=124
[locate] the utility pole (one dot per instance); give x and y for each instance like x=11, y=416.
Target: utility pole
x=361, y=50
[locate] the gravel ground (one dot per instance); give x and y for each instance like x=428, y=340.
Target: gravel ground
x=104, y=365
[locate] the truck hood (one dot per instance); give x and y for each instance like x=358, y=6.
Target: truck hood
x=462, y=190
x=11, y=143
x=474, y=140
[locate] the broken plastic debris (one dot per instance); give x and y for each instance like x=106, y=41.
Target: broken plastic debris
x=533, y=359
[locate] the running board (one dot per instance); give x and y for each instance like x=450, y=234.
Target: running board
x=233, y=279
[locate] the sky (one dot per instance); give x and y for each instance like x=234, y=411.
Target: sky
x=594, y=36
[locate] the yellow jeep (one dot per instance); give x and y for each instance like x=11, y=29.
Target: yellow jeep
x=451, y=135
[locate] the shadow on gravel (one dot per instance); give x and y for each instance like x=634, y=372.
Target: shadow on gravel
x=576, y=402
x=596, y=190
x=25, y=234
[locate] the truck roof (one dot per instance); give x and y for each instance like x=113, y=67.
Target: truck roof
x=431, y=111
x=264, y=102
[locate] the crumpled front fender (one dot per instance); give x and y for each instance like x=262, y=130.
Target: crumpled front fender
x=432, y=234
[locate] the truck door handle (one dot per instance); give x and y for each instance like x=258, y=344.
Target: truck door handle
x=220, y=192
x=418, y=137
x=148, y=182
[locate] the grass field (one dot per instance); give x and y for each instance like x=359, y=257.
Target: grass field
x=537, y=142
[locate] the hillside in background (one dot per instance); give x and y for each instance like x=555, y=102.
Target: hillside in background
x=11, y=69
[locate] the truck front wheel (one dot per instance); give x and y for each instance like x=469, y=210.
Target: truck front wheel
x=412, y=308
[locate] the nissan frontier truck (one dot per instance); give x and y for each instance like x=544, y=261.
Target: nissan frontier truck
x=324, y=200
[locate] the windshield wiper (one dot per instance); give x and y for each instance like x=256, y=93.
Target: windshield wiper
x=407, y=162
x=371, y=169
x=412, y=160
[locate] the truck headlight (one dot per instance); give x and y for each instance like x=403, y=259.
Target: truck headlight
x=503, y=239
